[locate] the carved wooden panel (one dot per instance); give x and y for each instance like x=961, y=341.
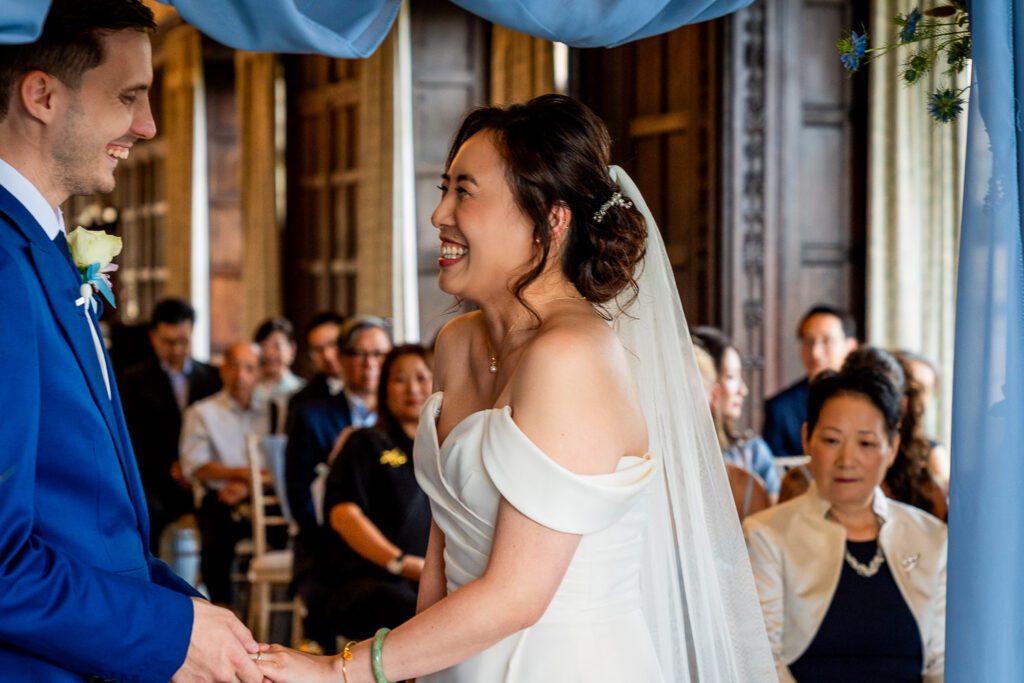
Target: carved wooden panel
x=446, y=84
x=793, y=229
x=659, y=97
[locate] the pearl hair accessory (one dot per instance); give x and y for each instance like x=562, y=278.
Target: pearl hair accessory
x=616, y=200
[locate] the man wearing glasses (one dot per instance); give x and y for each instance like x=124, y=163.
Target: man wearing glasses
x=826, y=334
x=363, y=341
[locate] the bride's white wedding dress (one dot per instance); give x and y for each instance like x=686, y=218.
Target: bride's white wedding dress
x=660, y=587
x=594, y=629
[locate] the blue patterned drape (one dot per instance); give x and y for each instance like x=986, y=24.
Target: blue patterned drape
x=985, y=618
x=354, y=28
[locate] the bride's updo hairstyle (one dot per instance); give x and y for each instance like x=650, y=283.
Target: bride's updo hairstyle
x=556, y=151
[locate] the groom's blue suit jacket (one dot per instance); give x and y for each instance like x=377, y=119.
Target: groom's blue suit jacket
x=80, y=594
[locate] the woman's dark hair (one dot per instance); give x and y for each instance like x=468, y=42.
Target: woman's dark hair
x=714, y=341
x=385, y=418
x=70, y=43
x=869, y=383
x=908, y=478
x=556, y=151
x=874, y=358
x=276, y=324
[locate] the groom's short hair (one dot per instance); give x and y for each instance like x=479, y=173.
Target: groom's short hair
x=70, y=43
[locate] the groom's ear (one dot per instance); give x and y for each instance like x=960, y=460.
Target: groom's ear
x=38, y=95
x=559, y=220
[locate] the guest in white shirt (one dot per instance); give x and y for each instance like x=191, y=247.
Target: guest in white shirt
x=276, y=339
x=213, y=453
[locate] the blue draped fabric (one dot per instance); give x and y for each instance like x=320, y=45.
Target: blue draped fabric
x=354, y=28
x=598, y=23
x=22, y=20
x=985, y=619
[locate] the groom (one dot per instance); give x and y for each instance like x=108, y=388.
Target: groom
x=80, y=595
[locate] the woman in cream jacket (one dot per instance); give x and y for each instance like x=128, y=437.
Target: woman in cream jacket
x=852, y=584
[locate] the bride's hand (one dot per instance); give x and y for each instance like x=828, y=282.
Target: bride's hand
x=283, y=665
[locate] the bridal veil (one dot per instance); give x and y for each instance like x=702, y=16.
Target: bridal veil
x=700, y=599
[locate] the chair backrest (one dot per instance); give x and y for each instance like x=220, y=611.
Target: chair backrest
x=263, y=515
x=273, y=447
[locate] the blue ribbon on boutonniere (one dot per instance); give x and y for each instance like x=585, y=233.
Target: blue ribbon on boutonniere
x=96, y=276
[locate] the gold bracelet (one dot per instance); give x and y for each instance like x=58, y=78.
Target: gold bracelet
x=346, y=655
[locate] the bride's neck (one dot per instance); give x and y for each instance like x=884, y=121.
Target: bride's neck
x=513, y=314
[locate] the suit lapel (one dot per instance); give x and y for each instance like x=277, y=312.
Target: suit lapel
x=60, y=282
x=62, y=293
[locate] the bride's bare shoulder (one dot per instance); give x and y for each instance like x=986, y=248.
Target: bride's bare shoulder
x=452, y=343
x=574, y=389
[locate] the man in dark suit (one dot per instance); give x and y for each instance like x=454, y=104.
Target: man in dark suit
x=321, y=335
x=81, y=596
x=827, y=334
x=362, y=343
x=156, y=393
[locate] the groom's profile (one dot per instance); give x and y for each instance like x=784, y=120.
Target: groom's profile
x=81, y=597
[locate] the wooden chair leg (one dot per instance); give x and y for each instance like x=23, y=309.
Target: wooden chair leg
x=298, y=612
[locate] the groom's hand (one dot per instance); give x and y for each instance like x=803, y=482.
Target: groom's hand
x=219, y=649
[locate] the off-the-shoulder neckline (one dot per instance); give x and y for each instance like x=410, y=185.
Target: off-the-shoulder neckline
x=440, y=445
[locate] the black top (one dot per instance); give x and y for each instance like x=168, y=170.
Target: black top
x=868, y=634
x=374, y=470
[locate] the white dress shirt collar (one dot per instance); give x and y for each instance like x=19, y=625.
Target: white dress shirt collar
x=52, y=219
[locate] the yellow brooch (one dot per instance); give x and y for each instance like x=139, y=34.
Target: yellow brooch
x=395, y=457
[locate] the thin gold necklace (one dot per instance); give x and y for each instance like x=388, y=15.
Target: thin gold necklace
x=492, y=365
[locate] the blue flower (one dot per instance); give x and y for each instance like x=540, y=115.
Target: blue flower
x=910, y=27
x=853, y=50
x=945, y=105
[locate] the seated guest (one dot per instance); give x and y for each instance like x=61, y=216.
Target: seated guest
x=321, y=336
x=276, y=339
x=728, y=393
x=214, y=437
x=826, y=335
x=314, y=425
x=373, y=502
x=908, y=480
x=925, y=375
x=852, y=584
x=154, y=394
x=748, y=491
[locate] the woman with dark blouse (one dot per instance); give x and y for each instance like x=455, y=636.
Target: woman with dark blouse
x=852, y=584
x=373, y=502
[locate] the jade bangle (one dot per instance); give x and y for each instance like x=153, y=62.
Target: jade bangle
x=377, y=656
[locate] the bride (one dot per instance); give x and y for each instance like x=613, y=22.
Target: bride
x=583, y=525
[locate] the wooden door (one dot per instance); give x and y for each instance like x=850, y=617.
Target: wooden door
x=323, y=177
x=793, y=228
x=659, y=97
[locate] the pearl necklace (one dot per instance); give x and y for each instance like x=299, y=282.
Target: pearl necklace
x=871, y=568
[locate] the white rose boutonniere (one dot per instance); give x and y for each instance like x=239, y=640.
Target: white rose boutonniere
x=93, y=251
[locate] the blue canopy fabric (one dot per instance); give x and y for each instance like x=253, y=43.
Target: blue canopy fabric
x=985, y=615
x=598, y=23
x=354, y=28
x=22, y=20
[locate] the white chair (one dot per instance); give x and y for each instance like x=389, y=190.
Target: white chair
x=268, y=568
